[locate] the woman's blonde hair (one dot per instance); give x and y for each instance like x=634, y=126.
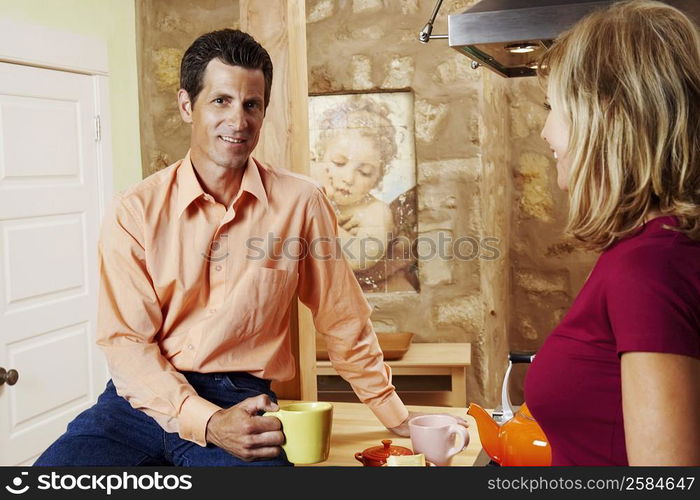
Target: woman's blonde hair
x=627, y=77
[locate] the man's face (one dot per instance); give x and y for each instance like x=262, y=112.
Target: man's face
x=227, y=116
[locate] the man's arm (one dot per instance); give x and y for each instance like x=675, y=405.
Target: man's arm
x=129, y=318
x=328, y=287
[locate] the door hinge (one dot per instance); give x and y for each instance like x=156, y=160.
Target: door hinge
x=98, y=129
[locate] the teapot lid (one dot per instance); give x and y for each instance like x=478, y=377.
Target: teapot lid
x=381, y=453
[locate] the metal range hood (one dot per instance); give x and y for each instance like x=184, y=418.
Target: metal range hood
x=507, y=36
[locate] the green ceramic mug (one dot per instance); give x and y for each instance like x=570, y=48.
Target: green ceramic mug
x=307, y=431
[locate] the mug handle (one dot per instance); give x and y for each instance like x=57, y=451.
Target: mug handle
x=464, y=439
x=277, y=414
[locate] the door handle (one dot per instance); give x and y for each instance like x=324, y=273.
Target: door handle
x=11, y=376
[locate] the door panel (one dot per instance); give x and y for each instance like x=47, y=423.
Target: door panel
x=49, y=224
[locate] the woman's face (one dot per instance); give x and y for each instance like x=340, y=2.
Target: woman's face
x=353, y=165
x=556, y=133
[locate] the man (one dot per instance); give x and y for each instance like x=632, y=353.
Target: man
x=193, y=322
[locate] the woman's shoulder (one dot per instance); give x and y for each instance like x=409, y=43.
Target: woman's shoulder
x=657, y=243
x=656, y=255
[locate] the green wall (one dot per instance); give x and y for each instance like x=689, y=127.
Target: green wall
x=112, y=21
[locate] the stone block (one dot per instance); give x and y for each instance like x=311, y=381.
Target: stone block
x=436, y=271
x=428, y=118
x=373, y=32
x=409, y=7
x=159, y=160
x=526, y=330
x=320, y=80
x=433, y=197
x=172, y=23
x=399, y=73
x=320, y=11
x=448, y=171
x=527, y=118
x=393, y=304
x=560, y=249
x=456, y=70
x=542, y=282
x=366, y=6
x=466, y=312
x=172, y=123
x=536, y=198
x=361, y=72
x=167, y=68
x=474, y=218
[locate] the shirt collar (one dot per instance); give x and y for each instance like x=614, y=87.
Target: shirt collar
x=252, y=182
x=189, y=188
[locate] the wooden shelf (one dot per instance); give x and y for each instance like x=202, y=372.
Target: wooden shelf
x=429, y=359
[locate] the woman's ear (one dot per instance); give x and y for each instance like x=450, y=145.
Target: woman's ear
x=184, y=104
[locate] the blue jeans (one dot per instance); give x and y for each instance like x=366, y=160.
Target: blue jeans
x=112, y=433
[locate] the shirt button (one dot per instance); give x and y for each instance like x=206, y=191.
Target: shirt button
x=212, y=311
x=190, y=347
x=218, y=268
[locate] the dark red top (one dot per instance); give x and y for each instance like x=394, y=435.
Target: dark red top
x=642, y=295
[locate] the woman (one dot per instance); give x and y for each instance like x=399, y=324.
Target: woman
x=618, y=381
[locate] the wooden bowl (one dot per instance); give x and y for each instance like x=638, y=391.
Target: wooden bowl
x=393, y=344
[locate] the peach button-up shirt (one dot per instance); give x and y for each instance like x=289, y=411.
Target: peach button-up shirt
x=187, y=284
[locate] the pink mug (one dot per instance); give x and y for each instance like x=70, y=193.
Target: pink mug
x=434, y=436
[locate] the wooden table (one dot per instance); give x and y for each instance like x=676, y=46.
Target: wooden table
x=429, y=359
x=355, y=428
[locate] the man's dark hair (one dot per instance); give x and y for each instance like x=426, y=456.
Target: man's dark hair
x=232, y=47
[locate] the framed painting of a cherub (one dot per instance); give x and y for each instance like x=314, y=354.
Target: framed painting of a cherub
x=363, y=153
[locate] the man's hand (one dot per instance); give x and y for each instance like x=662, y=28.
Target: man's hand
x=241, y=432
x=403, y=429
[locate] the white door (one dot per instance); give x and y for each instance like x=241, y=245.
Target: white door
x=49, y=223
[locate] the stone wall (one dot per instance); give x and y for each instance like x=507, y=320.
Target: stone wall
x=467, y=122
x=372, y=44
x=164, y=30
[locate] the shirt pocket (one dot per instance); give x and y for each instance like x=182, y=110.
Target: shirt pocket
x=268, y=299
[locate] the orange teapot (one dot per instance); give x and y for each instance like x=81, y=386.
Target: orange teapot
x=515, y=439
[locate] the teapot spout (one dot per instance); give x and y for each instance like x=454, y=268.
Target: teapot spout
x=488, y=431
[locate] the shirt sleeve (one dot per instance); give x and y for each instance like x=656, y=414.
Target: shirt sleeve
x=653, y=306
x=129, y=320
x=341, y=313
